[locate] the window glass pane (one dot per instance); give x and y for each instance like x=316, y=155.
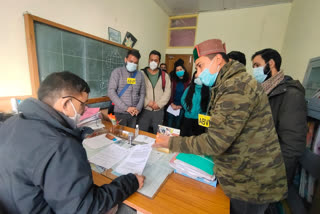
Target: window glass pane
x=184, y=22
x=179, y=38
x=313, y=83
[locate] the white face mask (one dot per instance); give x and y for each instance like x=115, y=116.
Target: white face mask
x=76, y=117
x=153, y=65
x=131, y=67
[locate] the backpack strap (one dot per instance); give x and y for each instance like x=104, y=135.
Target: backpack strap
x=126, y=87
x=163, y=77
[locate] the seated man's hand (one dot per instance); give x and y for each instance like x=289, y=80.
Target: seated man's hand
x=140, y=179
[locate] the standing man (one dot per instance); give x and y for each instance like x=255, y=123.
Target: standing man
x=163, y=67
x=44, y=167
x=241, y=136
x=127, y=90
x=158, y=91
x=288, y=106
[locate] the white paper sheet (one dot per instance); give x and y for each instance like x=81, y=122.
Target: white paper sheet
x=144, y=139
x=172, y=111
x=97, y=142
x=109, y=156
x=136, y=160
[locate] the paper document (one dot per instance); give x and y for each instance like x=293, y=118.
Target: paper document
x=144, y=139
x=97, y=142
x=136, y=160
x=109, y=156
x=172, y=111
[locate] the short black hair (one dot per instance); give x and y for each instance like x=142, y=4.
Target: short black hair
x=268, y=54
x=154, y=52
x=163, y=64
x=54, y=84
x=239, y=56
x=224, y=56
x=134, y=53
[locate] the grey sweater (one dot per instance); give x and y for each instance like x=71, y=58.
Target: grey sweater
x=132, y=97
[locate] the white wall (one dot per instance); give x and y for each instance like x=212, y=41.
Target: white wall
x=246, y=30
x=302, y=37
x=143, y=18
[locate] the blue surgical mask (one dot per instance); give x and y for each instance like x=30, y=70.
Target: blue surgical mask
x=131, y=67
x=197, y=81
x=180, y=73
x=259, y=75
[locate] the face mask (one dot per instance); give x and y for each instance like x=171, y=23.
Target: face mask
x=180, y=73
x=207, y=78
x=153, y=65
x=259, y=75
x=76, y=117
x=197, y=81
x=131, y=67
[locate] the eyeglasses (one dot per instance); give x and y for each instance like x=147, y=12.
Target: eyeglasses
x=83, y=104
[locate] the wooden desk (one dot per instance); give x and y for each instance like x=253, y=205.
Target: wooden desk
x=179, y=194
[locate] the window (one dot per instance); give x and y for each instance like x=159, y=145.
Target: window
x=182, y=31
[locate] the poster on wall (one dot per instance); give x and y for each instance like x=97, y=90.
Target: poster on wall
x=129, y=40
x=114, y=35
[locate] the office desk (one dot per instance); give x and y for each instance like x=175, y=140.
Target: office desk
x=178, y=194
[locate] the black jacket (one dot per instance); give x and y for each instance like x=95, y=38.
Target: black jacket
x=289, y=113
x=44, y=167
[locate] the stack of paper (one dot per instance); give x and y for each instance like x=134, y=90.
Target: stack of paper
x=91, y=118
x=136, y=161
x=195, y=166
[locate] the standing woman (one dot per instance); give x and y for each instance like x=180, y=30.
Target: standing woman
x=195, y=101
x=179, y=82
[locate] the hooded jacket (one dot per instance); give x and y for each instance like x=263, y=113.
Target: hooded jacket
x=157, y=94
x=289, y=111
x=241, y=138
x=44, y=167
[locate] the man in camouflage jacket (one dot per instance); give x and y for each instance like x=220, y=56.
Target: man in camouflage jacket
x=241, y=136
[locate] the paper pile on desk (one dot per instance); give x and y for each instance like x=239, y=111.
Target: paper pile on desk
x=109, y=156
x=136, y=161
x=194, y=166
x=91, y=118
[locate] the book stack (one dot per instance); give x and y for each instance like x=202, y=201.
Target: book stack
x=91, y=118
x=307, y=182
x=197, y=167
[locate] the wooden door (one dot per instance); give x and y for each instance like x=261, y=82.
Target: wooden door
x=187, y=58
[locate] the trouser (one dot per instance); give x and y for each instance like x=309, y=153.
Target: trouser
x=190, y=127
x=126, y=119
x=150, y=118
x=244, y=207
x=175, y=121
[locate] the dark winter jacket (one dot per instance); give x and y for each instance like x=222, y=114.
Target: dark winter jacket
x=44, y=168
x=289, y=113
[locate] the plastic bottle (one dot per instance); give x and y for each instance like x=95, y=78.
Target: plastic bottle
x=136, y=132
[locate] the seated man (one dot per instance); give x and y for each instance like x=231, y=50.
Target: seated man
x=288, y=106
x=44, y=168
x=127, y=96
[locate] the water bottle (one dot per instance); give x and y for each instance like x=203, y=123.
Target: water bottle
x=136, y=131
x=130, y=138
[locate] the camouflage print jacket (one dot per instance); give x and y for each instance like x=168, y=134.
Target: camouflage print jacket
x=241, y=138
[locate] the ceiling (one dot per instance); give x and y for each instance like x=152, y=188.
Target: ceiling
x=181, y=7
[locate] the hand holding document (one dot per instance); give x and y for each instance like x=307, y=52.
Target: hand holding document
x=172, y=111
x=135, y=161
